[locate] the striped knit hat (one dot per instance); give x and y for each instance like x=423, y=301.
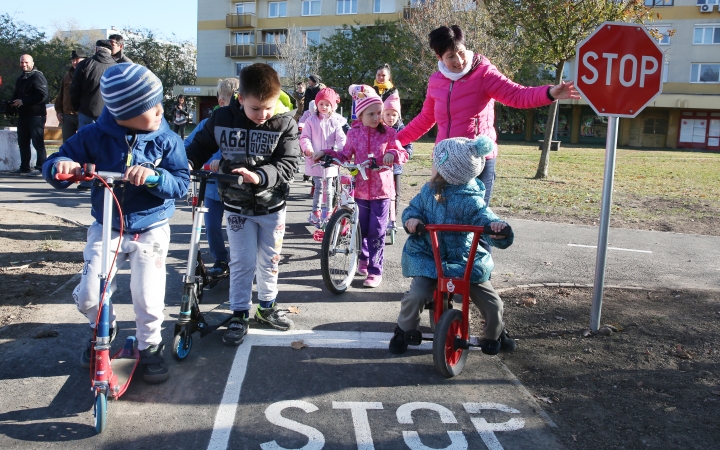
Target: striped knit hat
x=129, y=90
x=363, y=96
x=459, y=160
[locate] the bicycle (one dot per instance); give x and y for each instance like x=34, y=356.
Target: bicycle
x=451, y=336
x=196, y=278
x=342, y=239
x=110, y=376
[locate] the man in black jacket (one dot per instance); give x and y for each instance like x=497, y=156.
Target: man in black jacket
x=31, y=91
x=85, y=88
x=118, y=44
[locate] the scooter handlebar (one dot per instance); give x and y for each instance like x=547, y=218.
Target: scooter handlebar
x=224, y=177
x=88, y=175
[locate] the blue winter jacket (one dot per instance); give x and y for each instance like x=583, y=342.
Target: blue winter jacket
x=463, y=205
x=106, y=144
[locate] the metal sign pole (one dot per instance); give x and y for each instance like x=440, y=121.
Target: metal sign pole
x=599, y=283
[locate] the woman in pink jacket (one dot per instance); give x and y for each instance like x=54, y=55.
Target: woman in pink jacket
x=369, y=138
x=321, y=131
x=461, y=97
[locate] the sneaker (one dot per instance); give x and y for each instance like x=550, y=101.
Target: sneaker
x=32, y=173
x=507, y=344
x=362, y=268
x=219, y=269
x=398, y=346
x=490, y=346
x=372, y=281
x=314, y=218
x=154, y=370
x=87, y=353
x=274, y=317
x=236, y=331
x=20, y=172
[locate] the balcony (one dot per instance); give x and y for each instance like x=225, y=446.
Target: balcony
x=267, y=50
x=241, y=21
x=241, y=51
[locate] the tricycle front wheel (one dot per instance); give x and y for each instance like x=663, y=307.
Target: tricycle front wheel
x=448, y=359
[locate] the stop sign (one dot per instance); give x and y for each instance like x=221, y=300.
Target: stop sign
x=619, y=69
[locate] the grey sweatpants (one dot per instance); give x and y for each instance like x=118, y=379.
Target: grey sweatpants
x=255, y=244
x=146, y=253
x=421, y=292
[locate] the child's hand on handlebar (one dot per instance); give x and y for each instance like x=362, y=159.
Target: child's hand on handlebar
x=497, y=227
x=248, y=176
x=412, y=224
x=138, y=174
x=72, y=167
x=318, y=155
x=388, y=159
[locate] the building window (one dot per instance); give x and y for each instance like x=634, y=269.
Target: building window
x=279, y=68
x=707, y=35
x=664, y=32
x=416, y=3
x=311, y=37
x=277, y=9
x=245, y=38
x=274, y=37
x=346, y=32
x=383, y=6
x=311, y=7
x=245, y=8
x=655, y=126
x=706, y=2
x=705, y=73
x=239, y=67
x=658, y=2
x=347, y=6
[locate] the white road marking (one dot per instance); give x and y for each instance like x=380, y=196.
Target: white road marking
x=611, y=248
x=6, y=186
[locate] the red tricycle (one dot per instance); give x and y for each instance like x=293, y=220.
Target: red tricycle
x=451, y=338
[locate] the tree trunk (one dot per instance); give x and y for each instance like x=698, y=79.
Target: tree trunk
x=542, y=170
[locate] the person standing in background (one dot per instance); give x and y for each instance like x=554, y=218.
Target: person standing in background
x=118, y=44
x=180, y=116
x=313, y=87
x=31, y=91
x=383, y=84
x=85, y=88
x=66, y=114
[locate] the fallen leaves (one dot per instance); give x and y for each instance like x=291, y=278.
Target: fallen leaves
x=527, y=302
x=293, y=310
x=680, y=353
x=298, y=345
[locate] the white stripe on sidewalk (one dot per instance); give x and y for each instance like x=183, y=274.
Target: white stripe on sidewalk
x=611, y=248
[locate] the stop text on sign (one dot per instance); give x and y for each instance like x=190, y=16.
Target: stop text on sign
x=629, y=70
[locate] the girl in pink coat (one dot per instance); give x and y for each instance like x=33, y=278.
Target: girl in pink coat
x=369, y=138
x=321, y=131
x=461, y=97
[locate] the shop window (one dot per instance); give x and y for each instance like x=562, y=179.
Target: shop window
x=655, y=126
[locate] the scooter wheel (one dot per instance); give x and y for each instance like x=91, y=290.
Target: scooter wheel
x=182, y=344
x=448, y=359
x=100, y=412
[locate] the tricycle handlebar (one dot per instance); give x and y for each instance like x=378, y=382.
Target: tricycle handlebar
x=422, y=228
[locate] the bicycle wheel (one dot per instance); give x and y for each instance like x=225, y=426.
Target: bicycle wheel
x=182, y=344
x=339, y=254
x=448, y=359
x=100, y=412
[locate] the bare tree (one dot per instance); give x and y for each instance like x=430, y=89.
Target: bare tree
x=297, y=57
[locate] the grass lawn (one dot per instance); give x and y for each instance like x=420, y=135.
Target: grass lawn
x=654, y=189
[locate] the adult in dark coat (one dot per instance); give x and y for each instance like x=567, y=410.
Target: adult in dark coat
x=66, y=115
x=85, y=88
x=118, y=45
x=313, y=87
x=31, y=92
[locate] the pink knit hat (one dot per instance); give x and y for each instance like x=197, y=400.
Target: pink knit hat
x=328, y=95
x=363, y=97
x=393, y=102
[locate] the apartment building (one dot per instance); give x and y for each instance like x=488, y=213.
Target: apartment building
x=234, y=34
x=687, y=113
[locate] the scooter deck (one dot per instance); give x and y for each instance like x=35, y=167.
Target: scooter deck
x=217, y=317
x=123, y=369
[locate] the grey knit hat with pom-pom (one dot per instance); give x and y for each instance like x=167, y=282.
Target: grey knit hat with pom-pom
x=459, y=160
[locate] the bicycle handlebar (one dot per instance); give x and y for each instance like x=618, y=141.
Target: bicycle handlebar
x=422, y=228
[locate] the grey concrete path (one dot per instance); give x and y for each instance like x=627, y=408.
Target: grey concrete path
x=344, y=390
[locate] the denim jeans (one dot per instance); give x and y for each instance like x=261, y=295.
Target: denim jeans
x=487, y=176
x=84, y=120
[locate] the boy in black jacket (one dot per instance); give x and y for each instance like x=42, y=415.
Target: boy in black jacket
x=262, y=146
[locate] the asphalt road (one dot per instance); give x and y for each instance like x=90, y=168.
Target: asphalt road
x=344, y=390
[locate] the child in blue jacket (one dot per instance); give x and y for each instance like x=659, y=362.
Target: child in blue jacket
x=130, y=136
x=453, y=196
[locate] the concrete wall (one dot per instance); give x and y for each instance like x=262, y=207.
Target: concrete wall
x=10, y=152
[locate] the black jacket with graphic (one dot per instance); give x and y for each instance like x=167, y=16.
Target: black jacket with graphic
x=85, y=87
x=32, y=88
x=271, y=150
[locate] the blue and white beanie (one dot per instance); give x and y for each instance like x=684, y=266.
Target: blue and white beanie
x=129, y=90
x=459, y=160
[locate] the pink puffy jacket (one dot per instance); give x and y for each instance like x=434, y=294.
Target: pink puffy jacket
x=362, y=141
x=466, y=107
x=321, y=134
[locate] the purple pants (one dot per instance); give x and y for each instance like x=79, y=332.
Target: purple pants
x=373, y=225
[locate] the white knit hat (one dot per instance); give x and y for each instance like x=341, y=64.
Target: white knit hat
x=459, y=160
